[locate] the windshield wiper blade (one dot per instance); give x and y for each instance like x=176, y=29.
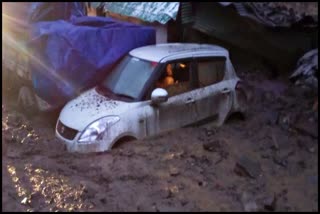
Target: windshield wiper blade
x=104, y=90
x=125, y=96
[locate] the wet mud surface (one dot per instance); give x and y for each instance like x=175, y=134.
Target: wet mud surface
x=265, y=162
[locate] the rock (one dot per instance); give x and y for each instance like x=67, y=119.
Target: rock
x=29, y=127
x=275, y=145
x=285, y=121
x=167, y=207
x=54, y=209
x=25, y=201
x=311, y=149
x=184, y=202
x=35, y=197
x=155, y=208
x=210, y=132
x=164, y=193
x=248, y=203
x=27, y=140
x=272, y=117
x=280, y=161
x=269, y=203
x=265, y=156
x=168, y=194
x=101, y=197
x=13, y=153
x=302, y=164
x=240, y=171
x=174, y=171
x=279, y=140
x=8, y=137
x=250, y=206
x=202, y=183
x=212, y=146
x=313, y=179
x=248, y=167
x=90, y=189
x=306, y=127
x=180, y=154
x=14, y=120
x=201, y=138
x=268, y=96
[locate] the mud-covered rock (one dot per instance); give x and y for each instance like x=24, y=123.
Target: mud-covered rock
x=248, y=202
x=281, y=161
x=306, y=127
x=270, y=202
x=14, y=119
x=247, y=167
x=272, y=117
x=174, y=171
x=213, y=145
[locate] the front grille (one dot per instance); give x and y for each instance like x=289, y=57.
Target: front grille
x=66, y=132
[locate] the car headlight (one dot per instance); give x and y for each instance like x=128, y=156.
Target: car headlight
x=96, y=129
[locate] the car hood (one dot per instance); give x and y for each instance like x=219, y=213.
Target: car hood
x=90, y=106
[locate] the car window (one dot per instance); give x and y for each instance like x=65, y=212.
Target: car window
x=129, y=77
x=211, y=71
x=176, y=78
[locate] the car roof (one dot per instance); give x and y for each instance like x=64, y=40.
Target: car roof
x=169, y=51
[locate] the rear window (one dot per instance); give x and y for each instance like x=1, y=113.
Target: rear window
x=211, y=71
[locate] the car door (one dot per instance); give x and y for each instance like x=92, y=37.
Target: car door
x=180, y=109
x=214, y=97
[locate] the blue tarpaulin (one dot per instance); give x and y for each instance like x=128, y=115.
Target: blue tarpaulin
x=70, y=56
x=69, y=51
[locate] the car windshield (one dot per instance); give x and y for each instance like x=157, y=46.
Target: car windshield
x=129, y=77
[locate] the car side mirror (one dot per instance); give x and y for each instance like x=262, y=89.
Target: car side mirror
x=159, y=95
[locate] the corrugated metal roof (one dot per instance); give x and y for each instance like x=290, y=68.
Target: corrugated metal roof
x=161, y=12
x=187, y=15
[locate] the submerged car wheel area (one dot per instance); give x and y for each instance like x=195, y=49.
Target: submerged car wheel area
x=153, y=89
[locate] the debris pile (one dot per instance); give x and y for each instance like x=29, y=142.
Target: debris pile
x=306, y=72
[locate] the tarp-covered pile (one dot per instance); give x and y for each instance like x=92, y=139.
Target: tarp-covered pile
x=73, y=56
x=68, y=51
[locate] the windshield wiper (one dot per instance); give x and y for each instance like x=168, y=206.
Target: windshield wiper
x=103, y=90
x=125, y=96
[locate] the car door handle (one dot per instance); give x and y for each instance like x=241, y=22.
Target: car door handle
x=190, y=100
x=225, y=91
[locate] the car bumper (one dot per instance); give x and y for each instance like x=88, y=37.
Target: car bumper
x=75, y=146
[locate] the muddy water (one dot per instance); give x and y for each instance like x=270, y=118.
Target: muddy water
x=262, y=163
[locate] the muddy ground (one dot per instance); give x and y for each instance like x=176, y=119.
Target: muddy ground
x=265, y=162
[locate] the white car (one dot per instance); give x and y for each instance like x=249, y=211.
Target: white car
x=153, y=89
